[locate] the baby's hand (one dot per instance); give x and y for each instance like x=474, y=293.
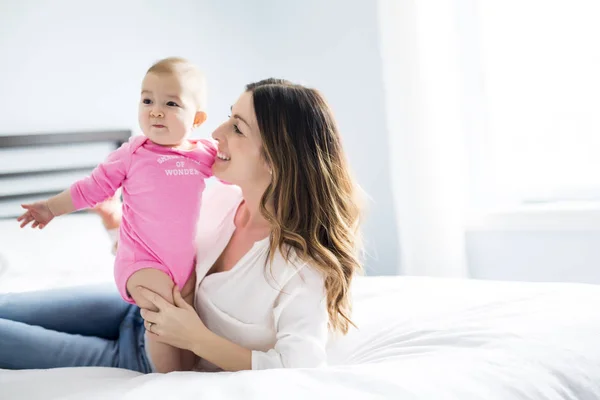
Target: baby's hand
x=39, y=212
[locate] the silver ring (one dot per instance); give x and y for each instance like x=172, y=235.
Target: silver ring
x=150, y=326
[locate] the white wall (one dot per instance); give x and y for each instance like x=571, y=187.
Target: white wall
x=69, y=65
x=535, y=255
x=537, y=243
x=72, y=65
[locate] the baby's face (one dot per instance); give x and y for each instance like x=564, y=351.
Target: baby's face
x=167, y=109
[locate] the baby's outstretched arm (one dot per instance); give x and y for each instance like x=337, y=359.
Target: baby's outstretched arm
x=105, y=179
x=42, y=212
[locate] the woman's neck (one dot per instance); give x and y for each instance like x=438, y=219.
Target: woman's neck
x=249, y=215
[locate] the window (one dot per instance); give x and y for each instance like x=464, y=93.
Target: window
x=541, y=83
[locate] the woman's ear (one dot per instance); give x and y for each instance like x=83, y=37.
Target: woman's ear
x=269, y=167
x=199, y=118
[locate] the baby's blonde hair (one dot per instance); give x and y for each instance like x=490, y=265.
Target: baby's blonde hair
x=191, y=75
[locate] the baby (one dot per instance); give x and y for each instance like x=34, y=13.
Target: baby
x=162, y=175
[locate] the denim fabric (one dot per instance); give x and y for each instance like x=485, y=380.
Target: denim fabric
x=73, y=327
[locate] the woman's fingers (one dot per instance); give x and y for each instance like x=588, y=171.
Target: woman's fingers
x=154, y=298
x=151, y=329
x=178, y=299
x=150, y=316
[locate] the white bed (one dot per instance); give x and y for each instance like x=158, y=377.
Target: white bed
x=419, y=338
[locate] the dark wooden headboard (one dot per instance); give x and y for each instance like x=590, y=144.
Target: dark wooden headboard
x=36, y=166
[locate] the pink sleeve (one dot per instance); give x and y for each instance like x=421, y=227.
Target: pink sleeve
x=209, y=153
x=206, y=152
x=104, y=180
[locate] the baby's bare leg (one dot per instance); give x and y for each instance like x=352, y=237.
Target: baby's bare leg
x=188, y=358
x=189, y=289
x=164, y=357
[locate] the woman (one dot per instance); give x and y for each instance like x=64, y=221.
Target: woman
x=277, y=251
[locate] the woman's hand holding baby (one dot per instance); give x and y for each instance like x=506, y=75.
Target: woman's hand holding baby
x=175, y=324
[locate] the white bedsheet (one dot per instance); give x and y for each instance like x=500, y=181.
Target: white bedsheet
x=419, y=338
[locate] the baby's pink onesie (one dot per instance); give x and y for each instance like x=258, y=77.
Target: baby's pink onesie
x=162, y=191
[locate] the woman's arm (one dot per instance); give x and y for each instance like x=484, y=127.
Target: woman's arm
x=300, y=317
x=180, y=326
x=301, y=322
x=221, y=352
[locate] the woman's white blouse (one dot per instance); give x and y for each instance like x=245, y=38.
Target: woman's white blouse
x=278, y=311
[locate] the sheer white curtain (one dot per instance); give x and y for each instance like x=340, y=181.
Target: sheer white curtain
x=541, y=61
x=492, y=108
x=424, y=100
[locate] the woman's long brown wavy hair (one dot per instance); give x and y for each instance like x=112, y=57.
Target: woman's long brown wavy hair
x=315, y=199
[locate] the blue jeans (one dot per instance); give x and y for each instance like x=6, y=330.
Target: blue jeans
x=88, y=326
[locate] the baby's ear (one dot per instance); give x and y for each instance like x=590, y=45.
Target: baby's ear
x=199, y=118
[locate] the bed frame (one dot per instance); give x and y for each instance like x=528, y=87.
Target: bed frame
x=36, y=166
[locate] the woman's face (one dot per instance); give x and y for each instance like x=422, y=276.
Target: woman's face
x=239, y=160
